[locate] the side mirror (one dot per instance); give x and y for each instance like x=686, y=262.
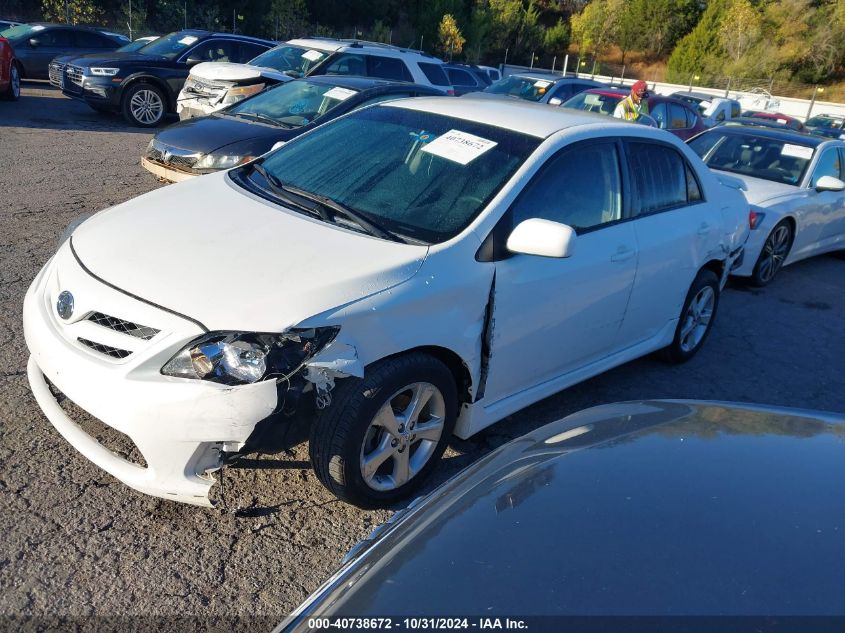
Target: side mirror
x=193, y=61
x=542, y=237
x=34, y=42
x=829, y=183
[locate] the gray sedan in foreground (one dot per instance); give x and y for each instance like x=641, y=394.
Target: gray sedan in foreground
x=653, y=508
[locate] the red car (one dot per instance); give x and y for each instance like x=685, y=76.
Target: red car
x=10, y=77
x=668, y=113
x=789, y=121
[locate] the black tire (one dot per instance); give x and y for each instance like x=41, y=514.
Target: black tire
x=679, y=350
x=340, y=430
x=143, y=92
x=13, y=90
x=775, y=251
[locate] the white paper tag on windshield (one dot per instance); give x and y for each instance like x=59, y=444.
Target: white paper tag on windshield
x=458, y=146
x=38, y=27
x=339, y=93
x=312, y=56
x=542, y=84
x=797, y=151
x=188, y=40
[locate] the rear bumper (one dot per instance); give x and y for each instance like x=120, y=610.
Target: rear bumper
x=165, y=173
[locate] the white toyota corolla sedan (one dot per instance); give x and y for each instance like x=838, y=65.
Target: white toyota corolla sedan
x=794, y=183
x=413, y=270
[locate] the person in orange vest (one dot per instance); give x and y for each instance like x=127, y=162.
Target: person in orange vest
x=632, y=107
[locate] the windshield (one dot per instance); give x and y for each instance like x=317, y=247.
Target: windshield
x=21, y=31
x=133, y=46
x=825, y=122
x=295, y=103
x=171, y=45
x=294, y=58
x=421, y=176
x=593, y=102
x=752, y=155
x=522, y=87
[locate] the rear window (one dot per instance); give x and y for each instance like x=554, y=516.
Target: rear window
x=460, y=77
x=434, y=73
x=387, y=68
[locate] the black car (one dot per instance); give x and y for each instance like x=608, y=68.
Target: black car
x=254, y=126
x=37, y=44
x=650, y=508
x=829, y=125
x=541, y=87
x=143, y=85
x=467, y=78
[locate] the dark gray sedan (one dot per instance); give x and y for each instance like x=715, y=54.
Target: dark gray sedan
x=656, y=508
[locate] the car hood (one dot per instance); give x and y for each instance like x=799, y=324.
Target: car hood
x=760, y=191
x=209, y=133
x=228, y=71
x=208, y=250
x=112, y=57
x=644, y=508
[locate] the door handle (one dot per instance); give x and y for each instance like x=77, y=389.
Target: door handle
x=704, y=229
x=623, y=253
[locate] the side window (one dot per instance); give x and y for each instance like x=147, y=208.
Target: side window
x=215, y=50
x=58, y=38
x=563, y=91
x=693, y=188
x=249, y=50
x=387, y=68
x=829, y=164
x=83, y=39
x=434, y=73
x=660, y=177
x=659, y=114
x=691, y=118
x=579, y=186
x=348, y=64
x=736, y=110
x=677, y=116
x=460, y=77
x=721, y=115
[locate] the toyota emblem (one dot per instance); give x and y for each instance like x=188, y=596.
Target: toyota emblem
x=64, y=305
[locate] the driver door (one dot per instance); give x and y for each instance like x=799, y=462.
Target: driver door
x=552, y=316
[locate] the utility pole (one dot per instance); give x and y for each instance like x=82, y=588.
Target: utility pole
x=233, y=21
x=186, y=14
x=130, y=20
x=67, y=12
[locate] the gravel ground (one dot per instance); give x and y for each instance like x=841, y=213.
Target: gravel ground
x=77, y=544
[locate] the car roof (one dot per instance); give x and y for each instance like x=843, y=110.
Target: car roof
x=652, y=508
x=780, y=134
x=334, y=45
x=773, y=115
x=363, y=83
x=535, y=119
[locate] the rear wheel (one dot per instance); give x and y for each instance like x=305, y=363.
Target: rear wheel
x=143, y=105
x=13, y=90
x=774, y=253
x=382, y=436
x=696, y=319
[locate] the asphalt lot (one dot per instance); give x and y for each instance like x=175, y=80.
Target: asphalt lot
x=75, y=543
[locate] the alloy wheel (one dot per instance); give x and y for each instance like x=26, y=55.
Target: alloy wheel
x=402, y=436
x=146, y=107
x=774, y=253
x=697, y=319
x=16, y=82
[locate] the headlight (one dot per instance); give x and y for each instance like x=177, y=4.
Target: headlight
x=240, y=358
x=221, y=161
x=233, y=95
x=104, y=72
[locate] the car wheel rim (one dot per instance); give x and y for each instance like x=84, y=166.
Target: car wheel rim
x=146, y=106
x=774, y=253
x=402, y=436
x=16, y=82
x=697, y=319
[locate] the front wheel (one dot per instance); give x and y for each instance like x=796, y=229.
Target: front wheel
x=774, y=253
x=143, y=105
x=13, y=90
x=382, y=436
x=696, y=318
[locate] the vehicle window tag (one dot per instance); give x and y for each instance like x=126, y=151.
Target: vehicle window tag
x=797, y=151
x=188, y=40
x=341, y=94
x=459, y=147
x=542, y=84
x=312, y=56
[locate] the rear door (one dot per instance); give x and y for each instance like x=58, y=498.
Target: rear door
x=677, y=231
x=824, y=219
x=52, y=42
x=555, y=315
x=87, y=42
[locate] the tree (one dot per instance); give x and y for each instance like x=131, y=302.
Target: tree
x=287, y=18
x=556, y=39
x=740, y=29
x=72, y=11
x=700, y=51
x=451, y=41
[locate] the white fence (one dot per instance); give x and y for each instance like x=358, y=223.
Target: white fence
x=750, y=100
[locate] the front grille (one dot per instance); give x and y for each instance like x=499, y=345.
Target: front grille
x=124, y=327
x=172, y=156
x=204, y=89
x=74, y=74
x=112, y=439
x=107, y=350
x=55, y=71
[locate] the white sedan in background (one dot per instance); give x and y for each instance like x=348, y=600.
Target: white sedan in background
x=796, y=186
x=410, y=271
